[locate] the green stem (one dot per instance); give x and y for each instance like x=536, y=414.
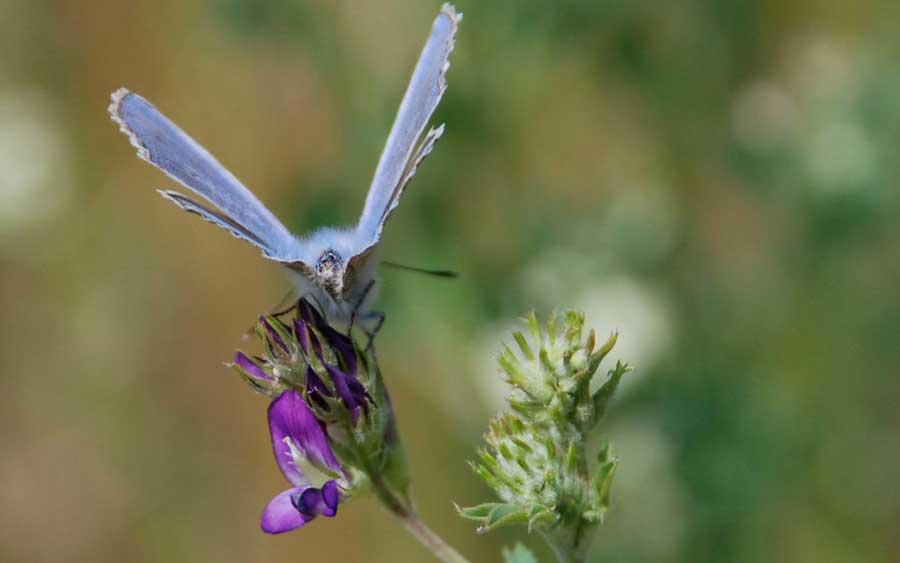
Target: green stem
x=407, y=516
x=570, y=543
x=570, y=546
x=430, y=540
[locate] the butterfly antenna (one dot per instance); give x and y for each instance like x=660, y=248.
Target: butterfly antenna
x=437, y=273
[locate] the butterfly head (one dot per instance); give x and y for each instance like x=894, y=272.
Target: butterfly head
x=330, y=271
x=329, y=264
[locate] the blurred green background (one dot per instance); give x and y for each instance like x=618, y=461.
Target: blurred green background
x=715, y=179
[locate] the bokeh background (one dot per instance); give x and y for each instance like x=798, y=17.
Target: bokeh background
x=718, y=180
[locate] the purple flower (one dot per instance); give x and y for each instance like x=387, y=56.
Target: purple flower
x=324, y=416
x=297, y=435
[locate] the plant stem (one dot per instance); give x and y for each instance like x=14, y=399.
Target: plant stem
x=430, y=540
x=407, y=516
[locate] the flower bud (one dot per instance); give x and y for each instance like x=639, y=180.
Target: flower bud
x=535, y=456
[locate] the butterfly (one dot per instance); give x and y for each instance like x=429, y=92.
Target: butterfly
x=334, y=266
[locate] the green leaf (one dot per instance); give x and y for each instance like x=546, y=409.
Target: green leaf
x=486, y=475
x=541, y=515
x=504, y=514
x=574, y=326
x=603, y=477
x=593, y=516
x=551, y=326
x=478, y=512
x=598, y=356
x=605, y=454
x=522, y=444
x=547, y=364
x=523, y=346
x=572, y=458
x=534, y=328
x=518, y=554
x=608, y=389
x=509, y=364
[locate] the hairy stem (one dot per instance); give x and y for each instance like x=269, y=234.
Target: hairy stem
x=407, y=516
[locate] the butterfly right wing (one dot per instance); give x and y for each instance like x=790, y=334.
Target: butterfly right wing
x=403, y=151
x=161, y=143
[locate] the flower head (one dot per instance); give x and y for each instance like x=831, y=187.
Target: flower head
x=330, y=416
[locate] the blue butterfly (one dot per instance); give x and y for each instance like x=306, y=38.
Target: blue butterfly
x=334, y=266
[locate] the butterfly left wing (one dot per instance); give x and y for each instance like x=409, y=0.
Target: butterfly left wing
x=164, y=145
x=212, y=216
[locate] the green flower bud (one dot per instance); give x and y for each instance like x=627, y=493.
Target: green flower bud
x=535, y=457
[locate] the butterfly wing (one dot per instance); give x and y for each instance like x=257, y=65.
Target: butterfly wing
x=215, y=217
x=161, y=143
x=403, y=152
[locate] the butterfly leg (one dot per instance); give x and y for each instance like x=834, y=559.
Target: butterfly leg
x=375, y=319
x=356, y=307
x=283, y=312
x=277, y=312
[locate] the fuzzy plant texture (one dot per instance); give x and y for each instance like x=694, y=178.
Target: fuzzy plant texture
x=535, y=456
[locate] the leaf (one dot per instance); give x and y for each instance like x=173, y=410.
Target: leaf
x=598, y=356
x=534, y=328
x=518, y=554
x=509, y=364
x=551, y=326
x=523, y=346
x=541, y=515
x=478, y=512
x=574, y=326
x=603, y=477
x=504, y=514
x=493, y=515
x=605, y=393
x=593, y=516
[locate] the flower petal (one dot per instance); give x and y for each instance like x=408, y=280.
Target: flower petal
x=251, y=368
x=309, y=313
x=313, y=502
x=290, y=417
x=316, y=345
x=316, y=389
x=350, y=390
x=308, y=502
x=330, y=497
x=268, y=323
x=340, y=342
x=302, y=333
x=280, y=515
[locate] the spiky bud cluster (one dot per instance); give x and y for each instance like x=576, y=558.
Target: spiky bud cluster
x=535, y=456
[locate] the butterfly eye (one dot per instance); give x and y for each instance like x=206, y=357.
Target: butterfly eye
x=328, y=261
